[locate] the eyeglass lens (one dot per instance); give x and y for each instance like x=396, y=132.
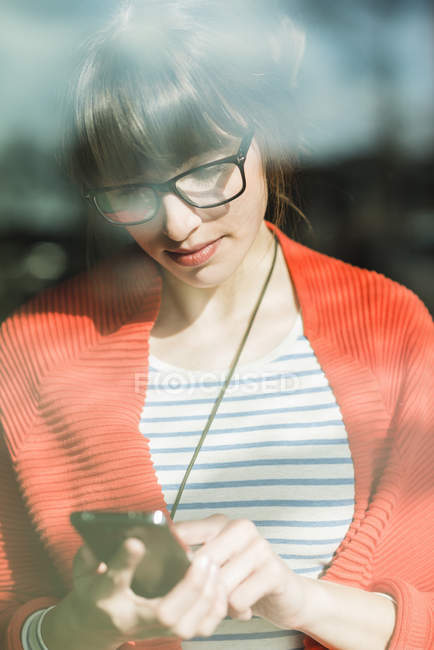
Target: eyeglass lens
x=204, y=187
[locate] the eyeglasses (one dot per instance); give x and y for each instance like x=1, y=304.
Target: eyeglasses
x=206, y=186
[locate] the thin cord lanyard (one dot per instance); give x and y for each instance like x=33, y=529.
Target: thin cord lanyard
x=223, y=388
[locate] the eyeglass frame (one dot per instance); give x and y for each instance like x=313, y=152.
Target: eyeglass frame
x=170, y=186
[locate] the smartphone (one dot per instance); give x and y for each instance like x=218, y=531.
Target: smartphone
x=165, y=561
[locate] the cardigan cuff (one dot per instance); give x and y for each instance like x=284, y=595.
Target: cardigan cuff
x=414, y=624
x=13, y=634
x=21, y=614
x=414, y=627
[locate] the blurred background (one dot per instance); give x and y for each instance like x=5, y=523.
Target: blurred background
x=365, y=172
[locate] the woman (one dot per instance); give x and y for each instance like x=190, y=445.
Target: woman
x=317, y=462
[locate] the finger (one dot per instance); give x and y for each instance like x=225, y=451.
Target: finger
x=240, y=616
x=122, y=566
x=200, y=530
x=185, y=594
x=242, y=564
x=216, y=613
x=85, y=562
x=255, y=587
x=231, y=540
x=190, y=622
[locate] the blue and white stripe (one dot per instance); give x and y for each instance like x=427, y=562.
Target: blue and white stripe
x=277, y=453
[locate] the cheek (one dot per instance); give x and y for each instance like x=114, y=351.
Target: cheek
x=263, y=195
x=146, y=236
x=256, y=190
x=256, y=198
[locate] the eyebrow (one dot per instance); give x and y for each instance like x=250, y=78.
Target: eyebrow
x=227, y=149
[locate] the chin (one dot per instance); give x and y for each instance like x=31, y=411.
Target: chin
x=205, y=277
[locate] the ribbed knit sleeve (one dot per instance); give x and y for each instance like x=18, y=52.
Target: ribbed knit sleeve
x=414, y=627
x=403, y=565
x=27, y=579
x=18, y=379
x=396, y=547
x=32, y=342
x=44, y=339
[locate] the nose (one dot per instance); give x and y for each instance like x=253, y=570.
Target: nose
x=178, y=218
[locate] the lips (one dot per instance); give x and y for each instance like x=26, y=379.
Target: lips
x=194, y=257
x=188, y=251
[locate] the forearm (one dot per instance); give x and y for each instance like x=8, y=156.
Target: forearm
x=346, y=618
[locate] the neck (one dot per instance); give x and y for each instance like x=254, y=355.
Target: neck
x=184, y=305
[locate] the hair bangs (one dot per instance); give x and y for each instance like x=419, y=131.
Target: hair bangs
x=134, y=120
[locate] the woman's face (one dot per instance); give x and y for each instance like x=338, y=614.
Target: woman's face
x=231, y=228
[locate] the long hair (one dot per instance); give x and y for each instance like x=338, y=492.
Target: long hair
x=165, y=80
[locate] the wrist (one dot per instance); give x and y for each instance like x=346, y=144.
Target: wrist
x=345, y=617
x=310, y=603
x=288, y=606
x=315, y=603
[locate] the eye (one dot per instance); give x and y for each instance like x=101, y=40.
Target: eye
x=206, y=172
x=206, y=177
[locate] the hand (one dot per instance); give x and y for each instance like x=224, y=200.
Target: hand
x=257, y=580
x=104, y=612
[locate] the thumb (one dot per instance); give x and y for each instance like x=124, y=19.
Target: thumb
x=123, y=564
x=85, y=562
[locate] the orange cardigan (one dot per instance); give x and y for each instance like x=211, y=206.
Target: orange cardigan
x=73, y=367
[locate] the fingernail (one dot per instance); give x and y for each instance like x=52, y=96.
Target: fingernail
x=101, y=568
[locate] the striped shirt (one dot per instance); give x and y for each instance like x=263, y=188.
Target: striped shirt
x=277, y=453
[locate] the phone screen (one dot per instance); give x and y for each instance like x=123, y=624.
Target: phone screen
x=165, y=561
